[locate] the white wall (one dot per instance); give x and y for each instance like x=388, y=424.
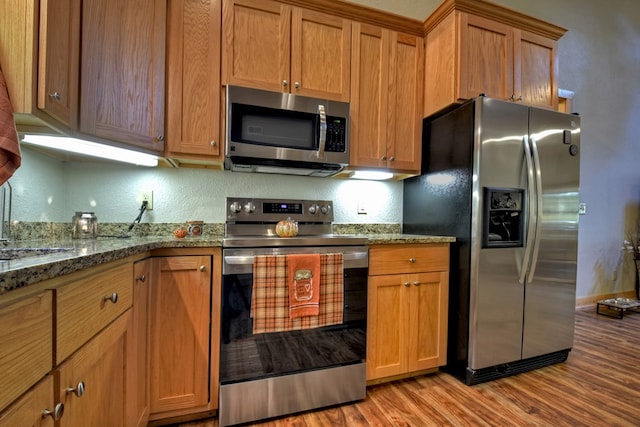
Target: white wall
x=599, y=60
x=51, y=190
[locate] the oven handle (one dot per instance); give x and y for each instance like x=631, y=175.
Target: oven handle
x=248, y=259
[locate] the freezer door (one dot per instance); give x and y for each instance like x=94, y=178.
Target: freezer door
x=496, y=295
x=551, y=284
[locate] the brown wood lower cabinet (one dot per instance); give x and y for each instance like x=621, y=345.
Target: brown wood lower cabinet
x=92, y=383
x=183, y=334
x=407, y=309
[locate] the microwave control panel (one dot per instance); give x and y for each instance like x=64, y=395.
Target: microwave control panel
x=336, y=135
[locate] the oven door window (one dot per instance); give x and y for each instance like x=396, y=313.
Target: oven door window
x=245, y=356
x=273, y=127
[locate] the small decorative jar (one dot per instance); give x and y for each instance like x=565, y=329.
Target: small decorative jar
x=195, y=228
x=85, y=225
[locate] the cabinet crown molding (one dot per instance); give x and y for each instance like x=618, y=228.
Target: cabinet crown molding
x=497, y=13
x=362, y=14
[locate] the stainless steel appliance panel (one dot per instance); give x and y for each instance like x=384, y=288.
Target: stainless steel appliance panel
x=496, y=296
x=551, y=287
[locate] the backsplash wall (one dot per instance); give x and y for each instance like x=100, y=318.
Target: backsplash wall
x=49, y=190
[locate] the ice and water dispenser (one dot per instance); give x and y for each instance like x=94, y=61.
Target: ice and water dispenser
x=503, y=218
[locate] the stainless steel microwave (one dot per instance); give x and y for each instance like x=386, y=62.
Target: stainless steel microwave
x=273, y=132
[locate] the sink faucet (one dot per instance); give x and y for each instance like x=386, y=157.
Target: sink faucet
x=6, y=196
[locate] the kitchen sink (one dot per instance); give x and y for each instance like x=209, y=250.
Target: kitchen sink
x=19, y=253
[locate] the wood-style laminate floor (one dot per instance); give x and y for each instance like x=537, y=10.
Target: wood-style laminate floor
x=599, y=385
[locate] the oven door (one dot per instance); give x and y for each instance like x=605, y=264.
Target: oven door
x=245, y=356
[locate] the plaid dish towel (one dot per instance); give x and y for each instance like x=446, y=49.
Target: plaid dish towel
x=270, y=295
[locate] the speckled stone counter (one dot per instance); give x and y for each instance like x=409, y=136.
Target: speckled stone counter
x=80, y=254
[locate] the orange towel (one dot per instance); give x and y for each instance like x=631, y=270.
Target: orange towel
x=10, y=157
x=270, y=295
x=304, y=285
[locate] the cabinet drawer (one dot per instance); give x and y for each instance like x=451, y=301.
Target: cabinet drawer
x=392, y=259
x=27, y=342
x=84, y=307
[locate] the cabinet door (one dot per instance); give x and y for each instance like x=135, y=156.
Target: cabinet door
x=98, y=369
x=26, y=337
x=387, y=326
x=256, y=44
x=486, y=58
x=193, y=85
x=180, y=332
x=404, y=115
x=29, y=409
x=536, y=70
x=320, y=55
x=370, y=95
x=59, y=60
x=122, y=71
x=138, y=357
x=428, y=301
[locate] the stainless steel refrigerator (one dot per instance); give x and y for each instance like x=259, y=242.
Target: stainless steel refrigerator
x=503, y=179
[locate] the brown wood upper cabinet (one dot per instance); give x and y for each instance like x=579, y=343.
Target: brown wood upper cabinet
x=386, y=99
x=475, y=47
x=275, y=46
x=193, y=81
x=59, y=54
x=122, y=71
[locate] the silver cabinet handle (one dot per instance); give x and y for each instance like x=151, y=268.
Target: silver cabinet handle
x=77, y=390
x=56, y=414
x=213, y=143
x=416, y=283
x=113, y=298
x=297, y=85
x=392, y=158
x=203, y=268
x=55, y=95
x=141, y=278
x=407, y=284
x=412, y=260
x=383, y=158
x=285, y=83
x=158, y=138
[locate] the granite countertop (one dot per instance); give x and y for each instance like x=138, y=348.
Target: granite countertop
x=79, y=254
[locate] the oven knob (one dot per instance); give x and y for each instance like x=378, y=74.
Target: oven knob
x=249, y=207
x=235, y=207
x=325, y=209
x=313, y=209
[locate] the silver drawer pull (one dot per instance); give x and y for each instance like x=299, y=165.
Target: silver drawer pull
x=56, y=414
x=77, y=390
x=141, y=278
x=406, y=284
x=416, y=283
x=412, y=260
x=113, y=298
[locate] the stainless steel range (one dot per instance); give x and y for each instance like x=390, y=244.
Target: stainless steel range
x=292, y=338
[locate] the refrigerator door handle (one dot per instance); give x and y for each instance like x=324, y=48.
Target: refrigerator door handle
x=538, y=193
x=532, y=215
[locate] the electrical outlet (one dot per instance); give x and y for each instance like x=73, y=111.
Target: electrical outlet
x=362, y=208
x=145, y=195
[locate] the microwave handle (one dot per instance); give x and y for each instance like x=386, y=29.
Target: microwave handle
x=323, y=131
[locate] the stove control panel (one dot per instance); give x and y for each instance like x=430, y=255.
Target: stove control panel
x=274, y=210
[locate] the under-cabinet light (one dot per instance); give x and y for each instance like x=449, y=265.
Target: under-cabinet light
x=88, y=148
x=372, y=175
